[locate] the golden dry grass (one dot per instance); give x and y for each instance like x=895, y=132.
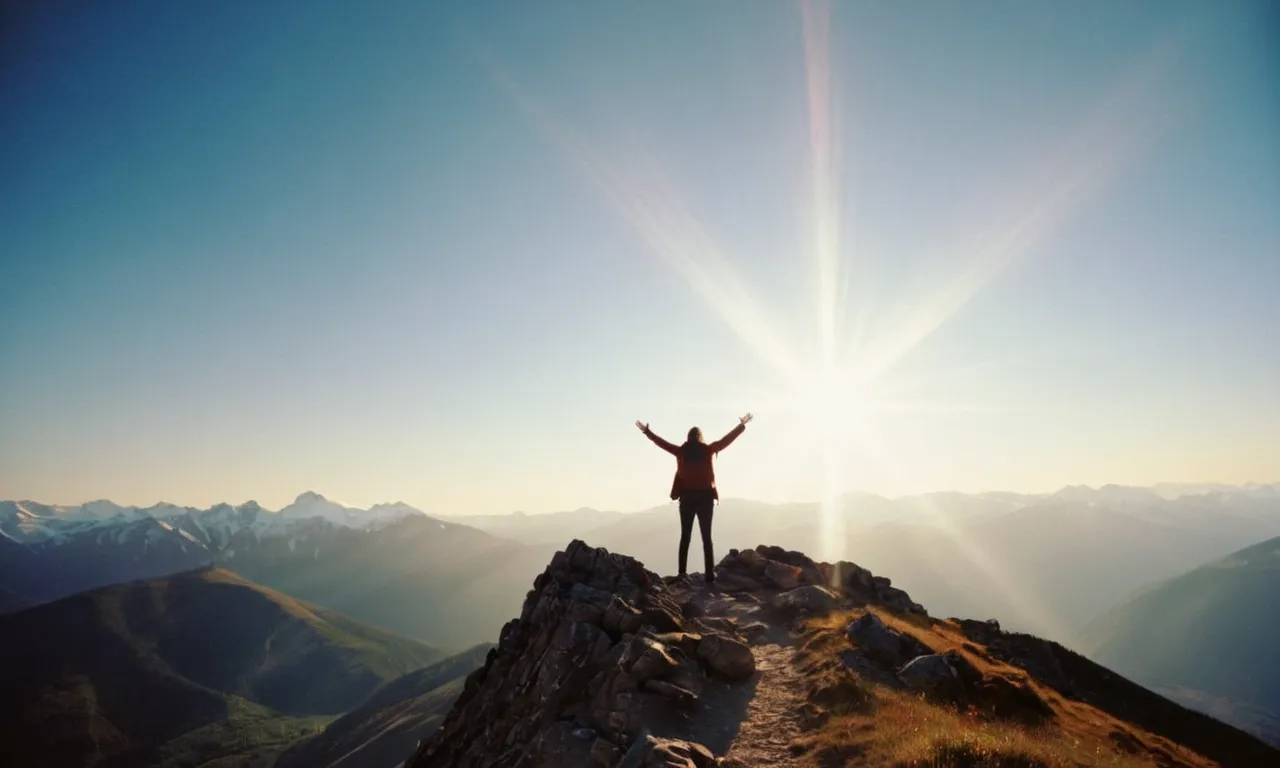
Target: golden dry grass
x=857, y=722
x=904, y=730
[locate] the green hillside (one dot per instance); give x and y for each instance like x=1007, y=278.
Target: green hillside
x=383, y=730
x=202, y=663
x=1210, y=634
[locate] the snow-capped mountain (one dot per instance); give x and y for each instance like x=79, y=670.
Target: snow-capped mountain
x=31, y=522
x=48, y=551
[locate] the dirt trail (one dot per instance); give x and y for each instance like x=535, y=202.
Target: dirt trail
x=754, y=724
x=773, y=714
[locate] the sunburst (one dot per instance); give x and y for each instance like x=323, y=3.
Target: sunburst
x=829, y=396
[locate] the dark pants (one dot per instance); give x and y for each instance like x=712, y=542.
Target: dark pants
x=699, y=504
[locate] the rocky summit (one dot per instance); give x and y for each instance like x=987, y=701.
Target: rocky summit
x=611, y=665
x=790, y=663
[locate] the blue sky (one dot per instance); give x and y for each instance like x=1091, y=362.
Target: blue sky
x=447, y=253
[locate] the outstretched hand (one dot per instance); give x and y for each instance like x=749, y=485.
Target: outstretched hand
x=642, y=426
x=743, y=421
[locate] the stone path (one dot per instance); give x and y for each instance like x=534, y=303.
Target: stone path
x=753, y=724
x=773, y=714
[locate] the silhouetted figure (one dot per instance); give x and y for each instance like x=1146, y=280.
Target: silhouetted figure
x=695, y=486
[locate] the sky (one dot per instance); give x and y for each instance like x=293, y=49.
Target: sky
x=448, y=254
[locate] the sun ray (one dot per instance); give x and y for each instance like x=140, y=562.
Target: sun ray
x=967, y=547
x=816, y=22
x=652, y=206
x=827, y=400
x=1093, y=157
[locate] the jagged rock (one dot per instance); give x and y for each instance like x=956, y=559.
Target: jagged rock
x=729, y=658
x=783, y=576
x=811, y=572
x=754, y=631
x=605, y=659
x=653, y=752
x=652, y=661
x=621, y=618
x=721, y=624
x=605, y=753
x=731, y=581
x=598, y=655
x=685, y=641
x=671, y=691
x=933, y=675
x=809, y=599
x=558, y=739
x=877, y=641
x=969, y=675
x=752, y=561
x=1010, y=700
x=863, y=587
x=896, y=600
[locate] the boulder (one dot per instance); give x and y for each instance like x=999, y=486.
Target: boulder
x=783, y=576
x=933, y=675
x=604, y=753
x=877, y=641
x=811, y=571
x=752, y=561
x=985, y=632
x=755, y=632
x=621, y=618
x=809, y=599
x=676, y=693
x=1011, y=700
x=733, y=581
x=898, y=601
x=969, y=675
x=726, y=657
x=652, y=752
x=651, y=659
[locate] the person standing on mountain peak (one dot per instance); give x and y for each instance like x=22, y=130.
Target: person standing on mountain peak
x=695, y=486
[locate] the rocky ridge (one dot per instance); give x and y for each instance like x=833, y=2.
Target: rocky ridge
x=609, y=664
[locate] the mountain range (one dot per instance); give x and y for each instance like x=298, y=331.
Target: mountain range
x=209, y=667
x=1045, y=563
x=369, y=564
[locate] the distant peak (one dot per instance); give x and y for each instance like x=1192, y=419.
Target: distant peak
x=309, y=496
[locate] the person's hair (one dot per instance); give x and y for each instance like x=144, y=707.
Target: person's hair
x=694, y=449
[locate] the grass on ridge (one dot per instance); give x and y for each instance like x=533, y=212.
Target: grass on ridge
x=869, y=724
x=906, y=731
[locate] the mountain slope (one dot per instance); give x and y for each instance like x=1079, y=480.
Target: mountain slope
x=110, y=676
x=390, y=723
x=790, y=663
x=1226, y=617
x=443, y=583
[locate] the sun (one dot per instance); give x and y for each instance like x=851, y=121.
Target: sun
x=826, y=402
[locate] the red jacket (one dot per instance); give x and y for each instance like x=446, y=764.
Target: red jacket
x=696, y=475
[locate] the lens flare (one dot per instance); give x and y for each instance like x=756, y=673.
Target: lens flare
x=828, y=400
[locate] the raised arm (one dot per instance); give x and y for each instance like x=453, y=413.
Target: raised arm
x=663, y=444
x=723, y=442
